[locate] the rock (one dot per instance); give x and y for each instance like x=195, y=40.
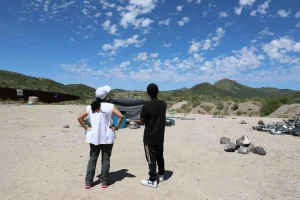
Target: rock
x=251, y=147
x=259, y=151
x=243, y=141
x=243, y=150
x=66, y=126
x=230, y=147
x=224, y=140
x=80, y=155
x=243, y=122
x=260, y=122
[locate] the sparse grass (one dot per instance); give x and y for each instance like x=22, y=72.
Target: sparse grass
x=283, y=116
x=220, y=105
x=226, y=110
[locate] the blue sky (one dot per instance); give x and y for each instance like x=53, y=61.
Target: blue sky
x=175, y=43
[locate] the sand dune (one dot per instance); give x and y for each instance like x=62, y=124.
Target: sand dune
x=42, y=160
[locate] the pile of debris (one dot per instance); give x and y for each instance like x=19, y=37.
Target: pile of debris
x=291, y=126
x=243, y=145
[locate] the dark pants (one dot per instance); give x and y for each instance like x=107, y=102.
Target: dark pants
x=91, y=167
x=155, y=154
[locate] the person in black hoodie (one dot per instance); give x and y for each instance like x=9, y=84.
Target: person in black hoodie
x=153, y=115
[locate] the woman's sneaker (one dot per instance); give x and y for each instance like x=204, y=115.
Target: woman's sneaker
x=149, y=183
x=161, y=178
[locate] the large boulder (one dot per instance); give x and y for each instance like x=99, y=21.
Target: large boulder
x=243, y=141
x=259, y=151
x=224, y=140
x=243, y=150
x=230, y=147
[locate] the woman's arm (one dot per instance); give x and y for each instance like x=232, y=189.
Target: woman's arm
x=81, y=118
x=119, y=115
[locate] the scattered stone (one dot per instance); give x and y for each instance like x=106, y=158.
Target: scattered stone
x=243, y=150
x=66, y=126
x=260, y=122
x=230, y=147
x=251, y=147
x=243, y=122
x=259, y=151
x=233, y=118
x=15, y=138
x=243, y=141
x=224, y=140
x=80, y=155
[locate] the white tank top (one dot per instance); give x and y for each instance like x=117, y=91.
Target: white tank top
x=100, y=132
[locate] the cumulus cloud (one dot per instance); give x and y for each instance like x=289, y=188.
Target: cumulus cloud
x=183, y=21
x=179, y=8
x=109, y=14
x=97, y=15
x=207, y=44
x=133, y=10
x=198, y=1
x=223, y=14
x=298, y=25
x=262, y=9
x=243, y=3
x=124, y=65
x=141, y=56
x=164, y=22
x=154, y=55
x=167, y=45
x=278, y=50
x=117, y=43
x=297, y=15
x=283, y=13
x=111, y=29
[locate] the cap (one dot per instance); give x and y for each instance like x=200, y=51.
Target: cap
x=102, y=92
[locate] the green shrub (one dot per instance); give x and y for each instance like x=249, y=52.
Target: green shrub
x=207, y=108
x=235, y=106
x=285, y=100
x=220, y=105
x=269, y=106
x=239, y=112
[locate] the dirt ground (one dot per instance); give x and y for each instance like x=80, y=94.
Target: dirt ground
x=42, y=160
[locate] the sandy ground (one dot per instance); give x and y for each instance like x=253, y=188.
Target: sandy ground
x=42, y=160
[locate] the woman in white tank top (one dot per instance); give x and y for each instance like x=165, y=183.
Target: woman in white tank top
x=101, y=134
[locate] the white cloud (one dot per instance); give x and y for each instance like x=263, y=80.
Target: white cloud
x=72, y=39
x=190, y=1
x=133, y=10
x=154, y=55
x=141, y=56
x=243, y=3
x=179, y=8
x=109, y=14
x=261, y=8
x=297, y=15
x=198, y=1
x=80, y=66
x=207, y=44
x=106, y=5
x=97, y=15
x=164, y=22
x=111, y=29
x=117, y=43
x=146, y=23
x=279, y=48
x=265, y=32
x=298, y=25
x=85, y=11
x=124, y=65
x=283, y=13
x=183, y=21
x=223, y=14
x=167, y=45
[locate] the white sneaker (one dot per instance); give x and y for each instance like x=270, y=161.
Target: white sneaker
x=149, y=183
x=161, y=178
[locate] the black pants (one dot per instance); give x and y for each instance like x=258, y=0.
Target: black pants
x=155, y=154
x=91, y=167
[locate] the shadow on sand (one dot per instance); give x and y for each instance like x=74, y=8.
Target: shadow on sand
x=115, y=177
